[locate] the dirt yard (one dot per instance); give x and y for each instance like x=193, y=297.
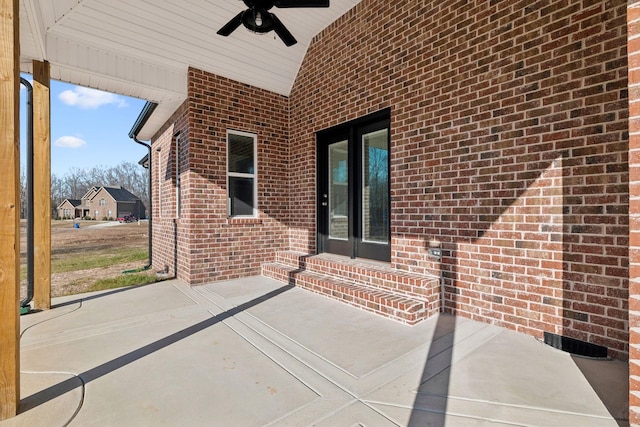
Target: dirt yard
x=91, y=236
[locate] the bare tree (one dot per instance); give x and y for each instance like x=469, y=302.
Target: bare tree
x=23, y=194
x=58, y=194
x=76, y=183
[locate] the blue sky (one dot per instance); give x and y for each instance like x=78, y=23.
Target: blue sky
x=89, y=128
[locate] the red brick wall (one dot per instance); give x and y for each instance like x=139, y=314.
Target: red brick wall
x=211, y=246
x=509, y=139
x=633, y=17
x=164, y=220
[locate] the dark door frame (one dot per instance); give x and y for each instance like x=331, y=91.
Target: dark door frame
x=351, y=131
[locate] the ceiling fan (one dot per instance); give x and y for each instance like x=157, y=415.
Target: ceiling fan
x=258, y=19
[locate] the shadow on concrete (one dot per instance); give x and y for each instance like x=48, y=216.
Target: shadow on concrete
x=100, y=295
x=430, y=405
x=106, y=368
x=606, y=384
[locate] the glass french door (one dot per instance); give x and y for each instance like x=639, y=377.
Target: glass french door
x=335, y=204
x=372, y=230
x=353, y=191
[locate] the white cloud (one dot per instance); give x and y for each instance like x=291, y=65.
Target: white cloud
x=86, y=98
x=69, y=142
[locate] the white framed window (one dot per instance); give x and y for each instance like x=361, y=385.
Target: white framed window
x=242, y=185
x=103, y=202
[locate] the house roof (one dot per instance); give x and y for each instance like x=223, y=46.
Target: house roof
x=120, y=194
x=90, y=192
x=144, y=49
x=74, y=202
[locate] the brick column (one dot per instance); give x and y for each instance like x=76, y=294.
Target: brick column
x=633, y=21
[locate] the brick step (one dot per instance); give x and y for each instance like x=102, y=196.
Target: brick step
x=365, y=273
x=399, y=307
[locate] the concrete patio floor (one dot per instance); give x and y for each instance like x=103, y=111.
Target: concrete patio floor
x=253, y=352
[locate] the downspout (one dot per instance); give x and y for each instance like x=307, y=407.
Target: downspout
x=144, y=115
x=24, y=304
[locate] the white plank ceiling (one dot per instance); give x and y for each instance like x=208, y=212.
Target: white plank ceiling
x=143, y=48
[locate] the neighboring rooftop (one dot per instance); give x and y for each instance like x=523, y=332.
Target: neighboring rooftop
x=74, y=202
x=120, y=194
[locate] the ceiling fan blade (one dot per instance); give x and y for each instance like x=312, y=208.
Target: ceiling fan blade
x=282, y=32
x=232, y=25
x=301, y=3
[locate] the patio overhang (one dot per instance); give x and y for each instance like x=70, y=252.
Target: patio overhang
x=144, y=49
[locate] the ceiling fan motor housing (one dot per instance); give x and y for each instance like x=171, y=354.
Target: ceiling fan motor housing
x=258, y=19
x=259, y=4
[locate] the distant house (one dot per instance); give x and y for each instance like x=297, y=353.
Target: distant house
x=70, y=208
x=115, y=202
x=103, y=202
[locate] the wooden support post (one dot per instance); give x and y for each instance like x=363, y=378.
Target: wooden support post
x=42, y=186
x=9, y=209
